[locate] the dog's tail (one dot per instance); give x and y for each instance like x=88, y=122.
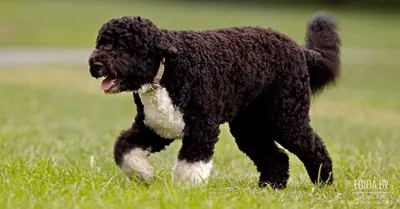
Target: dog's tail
x=322, y=51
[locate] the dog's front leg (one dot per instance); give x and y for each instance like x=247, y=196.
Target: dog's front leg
x=132, y=149
x=194, y=162
x=133, y=146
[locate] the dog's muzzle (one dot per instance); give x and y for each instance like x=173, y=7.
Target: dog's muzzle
x=96, y=69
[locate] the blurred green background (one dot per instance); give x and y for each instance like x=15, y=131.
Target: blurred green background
x=75, y=23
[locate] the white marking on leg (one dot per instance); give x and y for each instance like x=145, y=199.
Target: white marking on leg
x=196, y=173
x=160, y=114
x=136, y=163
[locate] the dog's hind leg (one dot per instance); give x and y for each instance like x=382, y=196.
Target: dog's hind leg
x=133, y=146
x=291, y=125
x=252, y=134
x=299, y=138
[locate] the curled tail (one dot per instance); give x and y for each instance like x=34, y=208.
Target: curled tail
x=322, y=51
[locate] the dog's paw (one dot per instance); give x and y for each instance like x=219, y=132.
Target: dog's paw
x=192, y=173
x=136, y=164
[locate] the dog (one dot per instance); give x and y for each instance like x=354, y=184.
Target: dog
x=187, y=83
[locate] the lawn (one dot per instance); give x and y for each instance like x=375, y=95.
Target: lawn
x=58, y=128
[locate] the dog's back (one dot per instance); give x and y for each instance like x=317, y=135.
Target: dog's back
x=233, y=65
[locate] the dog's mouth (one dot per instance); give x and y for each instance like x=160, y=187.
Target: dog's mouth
x=108, y=83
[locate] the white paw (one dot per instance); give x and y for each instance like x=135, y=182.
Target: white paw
x=194, y=173
x=136, y=163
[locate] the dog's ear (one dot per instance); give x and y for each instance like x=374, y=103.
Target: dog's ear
x=167, y=50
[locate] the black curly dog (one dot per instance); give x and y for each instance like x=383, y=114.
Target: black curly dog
x=258, y=80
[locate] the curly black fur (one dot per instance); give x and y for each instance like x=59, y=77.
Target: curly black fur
x=323, y=58
x=258, y=80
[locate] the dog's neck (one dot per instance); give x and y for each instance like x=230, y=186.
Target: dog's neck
x=166, y=34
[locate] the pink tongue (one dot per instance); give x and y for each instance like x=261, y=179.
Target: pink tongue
x=107, y=83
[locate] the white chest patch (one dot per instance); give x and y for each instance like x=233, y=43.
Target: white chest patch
x=160, y=114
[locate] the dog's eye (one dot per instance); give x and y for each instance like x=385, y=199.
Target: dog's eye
x=104, y=41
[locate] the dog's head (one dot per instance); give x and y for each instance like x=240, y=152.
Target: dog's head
x=128, y=53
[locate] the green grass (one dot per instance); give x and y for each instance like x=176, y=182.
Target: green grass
x=58, y=128
x=68, y=23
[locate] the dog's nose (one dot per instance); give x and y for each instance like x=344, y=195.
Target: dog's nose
x=97, y=65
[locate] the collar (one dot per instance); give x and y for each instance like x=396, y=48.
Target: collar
x=156, y=82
